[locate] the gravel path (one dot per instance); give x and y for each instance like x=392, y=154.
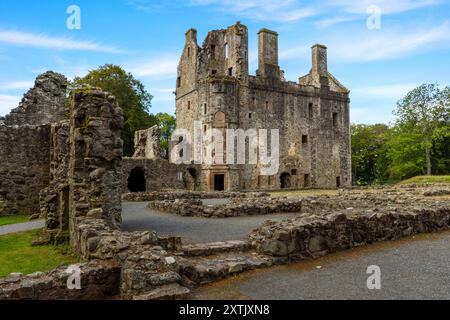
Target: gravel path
x=137, y=217
x=410, y=269
x=21, y=227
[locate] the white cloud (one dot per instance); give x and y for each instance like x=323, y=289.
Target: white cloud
x=294, y=53
x=392, y=91
x=15, y=85
x=7, y=103
x=370, y=115
x=263, y=10
x=161, y=66
x=13, y=37
x=381, y=45
x=386, y=6
x=327, y=22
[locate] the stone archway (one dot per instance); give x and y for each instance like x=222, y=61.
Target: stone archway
x=136, y=180
x=285, y=180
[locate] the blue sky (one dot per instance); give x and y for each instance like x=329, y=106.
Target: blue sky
x=412, y=45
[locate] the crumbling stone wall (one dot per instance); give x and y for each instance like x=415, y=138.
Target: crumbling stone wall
x=236, y=207
x=25, y=144
x=333, y=223
x=95, y=161
x=44, y=103
x=147, y=143
x=54, y=200
x=24, y=167
x=99, y=280
x=158, y=174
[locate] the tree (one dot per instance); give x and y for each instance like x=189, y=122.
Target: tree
x=167, y=123
x=422, y=111
x=369, y=153
x=131, y=96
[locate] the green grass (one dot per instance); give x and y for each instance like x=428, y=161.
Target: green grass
x=13, y=219
x=427, y=179
x=18, y=255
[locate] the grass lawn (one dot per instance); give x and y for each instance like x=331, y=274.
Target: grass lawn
x=13, y=219
x=17, y=254
x=427, y=179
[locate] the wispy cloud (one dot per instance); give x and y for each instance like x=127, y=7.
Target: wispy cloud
x=163, y=66
x=387, y=44
x=15, y=85
x=339, y=11
x=7, y=103
x=386, y=6
x=263, y=10
x=391, y=91
x=327, y=22
x=43, y=41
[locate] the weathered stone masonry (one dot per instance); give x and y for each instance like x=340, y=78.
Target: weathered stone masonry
x=24, y=167
x=214, y=87
x=25, y=146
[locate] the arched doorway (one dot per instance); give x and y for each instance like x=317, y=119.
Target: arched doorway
x=285, y=180
x=136, y=180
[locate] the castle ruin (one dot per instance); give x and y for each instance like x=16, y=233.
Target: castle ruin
x=214, y=87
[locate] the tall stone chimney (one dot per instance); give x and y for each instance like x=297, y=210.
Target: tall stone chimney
x=191, y=35
x=319, y=59
x=268, y=54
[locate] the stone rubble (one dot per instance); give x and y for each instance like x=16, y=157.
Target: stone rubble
x=236, y=207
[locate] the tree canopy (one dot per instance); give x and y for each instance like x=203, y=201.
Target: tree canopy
x=417, y=143
x=131, y=96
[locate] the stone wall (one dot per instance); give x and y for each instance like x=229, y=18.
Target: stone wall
x=95, y=161
x=147, y=143
x=99, y=280
x=24, y=169
x=158, y=174
x=312, y=115
x=44, y=103
x=236, y=207
x=173, y=195
x=54, y=200
x=329, y=224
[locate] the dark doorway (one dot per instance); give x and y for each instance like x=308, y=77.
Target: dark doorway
x=306, y=181
x=338, y=182
x=219, y=182
x=136, y=180
x=285, y=180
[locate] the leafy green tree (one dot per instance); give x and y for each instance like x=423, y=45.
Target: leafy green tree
x=131, y=96
x=369, y=153
x=167, y=123
x=405, y=151
x=419, y=114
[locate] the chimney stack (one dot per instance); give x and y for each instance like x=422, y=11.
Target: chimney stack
x=319, y=60
x=191, y=35
x=268, y=54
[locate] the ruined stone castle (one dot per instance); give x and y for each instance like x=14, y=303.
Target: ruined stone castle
x=214, y=87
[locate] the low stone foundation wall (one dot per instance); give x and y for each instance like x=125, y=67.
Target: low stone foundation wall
x=99, y=280
x=236, y=207
x=171, y=195
x=311, y=236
